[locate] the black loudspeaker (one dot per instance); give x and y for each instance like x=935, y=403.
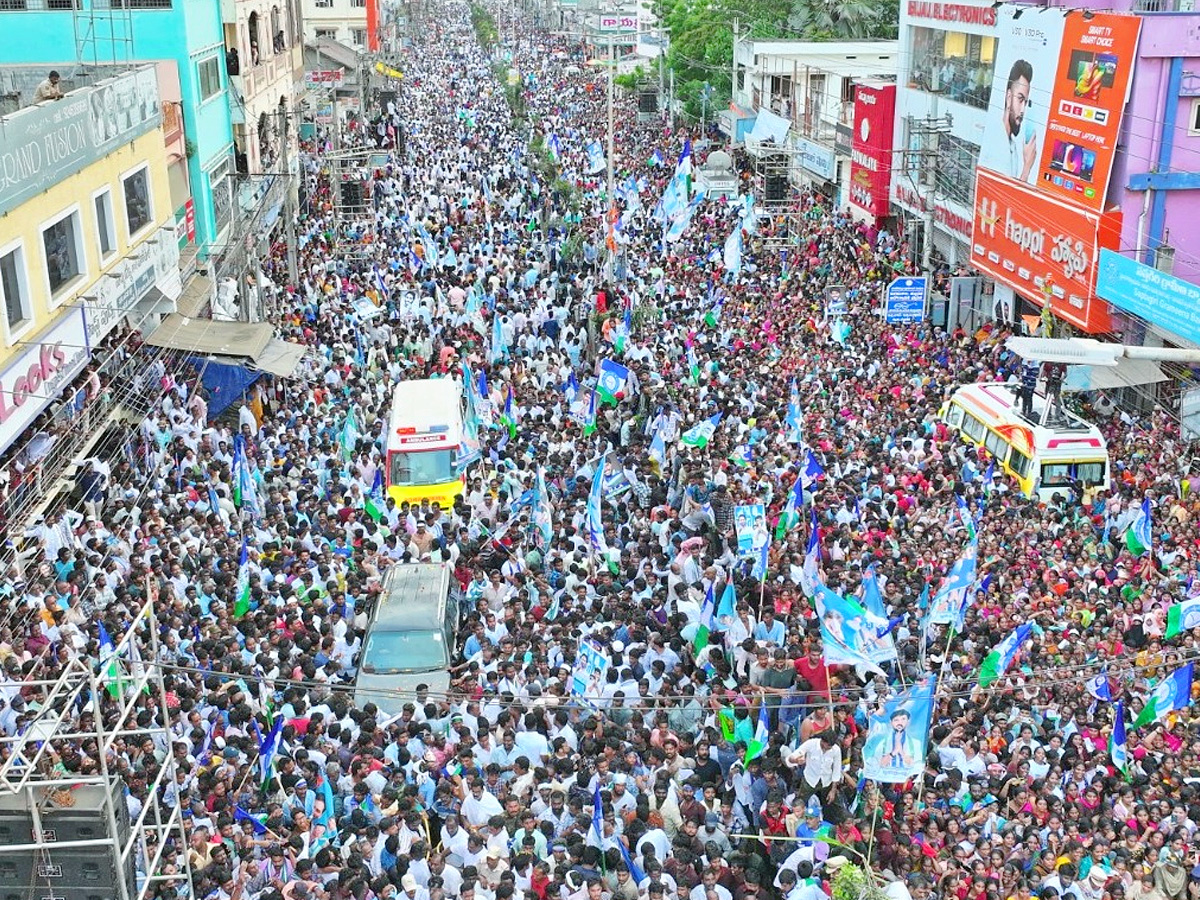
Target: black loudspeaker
x=648, y=102
x=79, y=873
x=352, y=193
x=776, y=186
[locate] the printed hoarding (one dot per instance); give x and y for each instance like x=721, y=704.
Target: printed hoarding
x=1095, y=69
x=37, y=376
x=1028, y=43
x=617, y=23
x=42, y=145
x=871, y=156
x=817, y=159
x=1043, y=248
x=1161, y=299
x=1060, y=84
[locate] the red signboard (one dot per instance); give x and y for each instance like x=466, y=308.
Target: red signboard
x=373, y=25
x=1044, y=249
x=1095, y=68
x=871, y=152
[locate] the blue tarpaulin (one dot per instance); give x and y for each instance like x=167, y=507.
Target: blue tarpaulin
x=223, y=383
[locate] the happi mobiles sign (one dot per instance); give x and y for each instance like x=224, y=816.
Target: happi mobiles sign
x=1043, y=248
x=36, y=377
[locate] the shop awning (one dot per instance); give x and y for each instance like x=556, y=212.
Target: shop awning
x=205, y=336
x=280, y=358
x=769, y=127
x=1126, y=373
x=197, y=294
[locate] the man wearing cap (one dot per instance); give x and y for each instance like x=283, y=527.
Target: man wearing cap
x=410, y=890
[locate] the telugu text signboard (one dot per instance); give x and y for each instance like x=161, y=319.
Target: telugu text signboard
x=1043, y=248
x=905, y=300
x=1161, y=299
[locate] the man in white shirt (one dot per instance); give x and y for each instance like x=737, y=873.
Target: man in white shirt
x=822, y=761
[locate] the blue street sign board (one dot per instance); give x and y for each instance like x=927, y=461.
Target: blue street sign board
x=905, y=300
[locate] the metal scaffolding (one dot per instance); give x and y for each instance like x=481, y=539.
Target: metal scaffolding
x=67, y=834
x=778, y=166
x=103, y=33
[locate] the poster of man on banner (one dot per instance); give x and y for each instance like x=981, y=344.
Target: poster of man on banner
x=750, y=521
x=896, y=737
x=589, y=673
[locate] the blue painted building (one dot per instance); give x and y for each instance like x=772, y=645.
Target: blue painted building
x=189, y=32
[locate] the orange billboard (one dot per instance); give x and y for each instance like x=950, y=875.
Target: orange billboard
x=1043, y=248
x=1095, y=68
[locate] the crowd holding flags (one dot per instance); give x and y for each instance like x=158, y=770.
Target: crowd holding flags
x=1140, y=536
x=700, y=434
x=241, y=604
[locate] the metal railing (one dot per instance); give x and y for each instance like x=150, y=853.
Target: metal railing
x=72, y=426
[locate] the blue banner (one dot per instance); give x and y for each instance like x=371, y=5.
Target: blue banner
x=896, y=737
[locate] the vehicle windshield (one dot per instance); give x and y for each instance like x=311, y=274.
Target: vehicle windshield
x=1056, y=474
x=401, y=652
x=428, y=467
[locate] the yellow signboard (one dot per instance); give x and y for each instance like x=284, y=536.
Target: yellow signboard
x=388, y=71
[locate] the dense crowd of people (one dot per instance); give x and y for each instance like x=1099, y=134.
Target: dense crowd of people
x=482, y=249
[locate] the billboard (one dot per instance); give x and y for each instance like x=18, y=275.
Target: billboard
x=1044, y=248
x=1058, y=91
x=42, y=145
x=617, y=23
x=38, y=374
x=1095, y=69
x=1028, y=44
x=871, y=153
x=1161, y=299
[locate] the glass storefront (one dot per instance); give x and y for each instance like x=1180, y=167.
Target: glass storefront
x=954, y=64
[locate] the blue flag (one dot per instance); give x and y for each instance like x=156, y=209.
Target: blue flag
x=240, y=815
x=635, y=871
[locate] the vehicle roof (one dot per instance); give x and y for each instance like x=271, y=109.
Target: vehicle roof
x=419, y=406
x=414, y=597
x=996, y=404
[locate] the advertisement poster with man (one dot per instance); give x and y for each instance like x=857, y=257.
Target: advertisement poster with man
x=1028, y=43
x=897, y=734
x=750, y=521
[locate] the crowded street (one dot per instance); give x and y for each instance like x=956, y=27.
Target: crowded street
x=737, y=610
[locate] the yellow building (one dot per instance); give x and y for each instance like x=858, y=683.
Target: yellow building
x=87, y=235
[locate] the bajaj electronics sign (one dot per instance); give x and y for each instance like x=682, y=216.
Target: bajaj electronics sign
x=1043, y=248
x=1060, y=85
x=45, y=144
x=871, y=156
x=37, y=377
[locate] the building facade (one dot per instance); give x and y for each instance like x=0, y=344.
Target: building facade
x=797, y=98
x=344, y=21
x=89, y=240
x=1100, y=155
x=188, y=33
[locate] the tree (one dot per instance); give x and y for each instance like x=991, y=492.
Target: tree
x=839, y=20
x=701, y=50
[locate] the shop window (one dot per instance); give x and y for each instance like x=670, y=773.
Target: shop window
x=15, y=288
x=957, y=65
x=63, y=246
